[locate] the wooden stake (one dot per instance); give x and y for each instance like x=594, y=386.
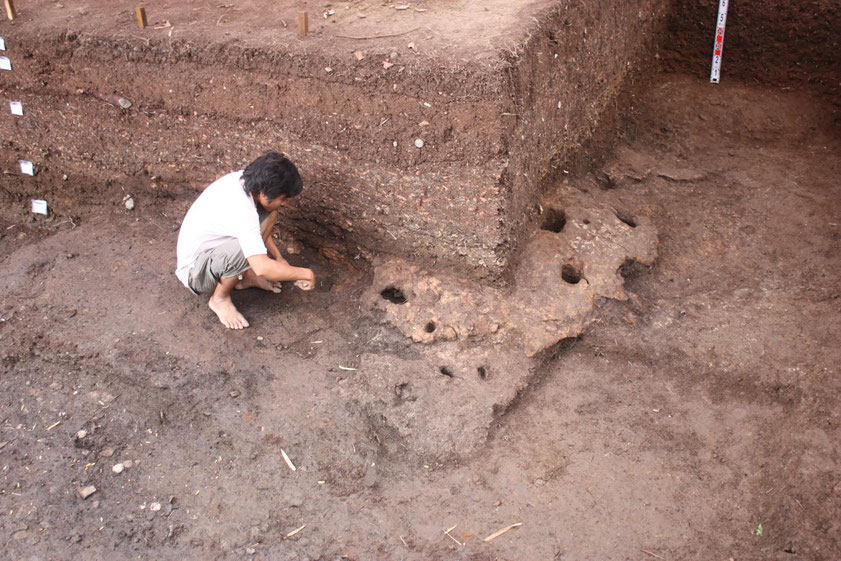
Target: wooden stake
x=10, y=9
x=303, y=23
x=141, y=16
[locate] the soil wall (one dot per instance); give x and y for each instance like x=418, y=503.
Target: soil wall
x=423, y=156
x=567, y=83
x=768, y=41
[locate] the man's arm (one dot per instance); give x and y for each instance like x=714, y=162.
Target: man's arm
x=273, y=270
x=271, y=247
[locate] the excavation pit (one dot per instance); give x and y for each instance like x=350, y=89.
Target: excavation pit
x=347, y=382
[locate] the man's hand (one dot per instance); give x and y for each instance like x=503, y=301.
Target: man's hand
x=274, y=252
x=308, y=283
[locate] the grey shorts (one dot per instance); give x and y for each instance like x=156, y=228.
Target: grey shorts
x=223, y=261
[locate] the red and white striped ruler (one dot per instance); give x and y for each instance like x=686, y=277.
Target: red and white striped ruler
x=718, y=48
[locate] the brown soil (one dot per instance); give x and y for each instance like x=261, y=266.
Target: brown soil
x=677, y=426
x=774, y=42
x=498, y=100
x=699, y=420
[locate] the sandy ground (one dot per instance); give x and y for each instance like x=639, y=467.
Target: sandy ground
x=699, y=421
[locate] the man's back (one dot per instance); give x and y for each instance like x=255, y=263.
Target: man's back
x=224, y=211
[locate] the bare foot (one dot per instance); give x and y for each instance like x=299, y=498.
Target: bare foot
x=228, y=314
x=252, y=279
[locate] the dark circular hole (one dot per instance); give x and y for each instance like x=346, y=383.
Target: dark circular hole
x=626, y=218
x=586, y=221
x=553, y=220
x=483, y=372
x=394, y=295
x=430, y=327
x=447, y=372
x=570, y=274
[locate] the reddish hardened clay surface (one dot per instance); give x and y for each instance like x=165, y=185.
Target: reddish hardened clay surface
x=574, y=260
x=403, y=121
x=490, y=341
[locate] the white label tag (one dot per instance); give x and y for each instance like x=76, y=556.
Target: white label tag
x=718, y=46
x=5, y=63
x=16, y=107
x=2, y=44
x=27, y=167
x=39, y=206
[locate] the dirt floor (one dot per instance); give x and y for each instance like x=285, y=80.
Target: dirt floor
x=699, y=420
x=438, y=24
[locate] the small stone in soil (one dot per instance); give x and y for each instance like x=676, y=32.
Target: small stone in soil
x=118, y=468
x=107, y=453
x=234, y=393
x=81, y=434
x=155, y=507
x=86, y=492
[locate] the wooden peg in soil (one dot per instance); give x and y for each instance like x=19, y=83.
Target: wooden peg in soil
x=303, y=23
x=141, y=16
x=10, y=9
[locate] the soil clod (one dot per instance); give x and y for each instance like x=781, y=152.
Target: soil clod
x=87, y=491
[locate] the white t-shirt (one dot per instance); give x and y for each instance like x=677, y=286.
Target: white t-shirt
x=224, y=211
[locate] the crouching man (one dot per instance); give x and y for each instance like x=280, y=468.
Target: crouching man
x=225, y=242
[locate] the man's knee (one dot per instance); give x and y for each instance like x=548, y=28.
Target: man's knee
x=224, y=261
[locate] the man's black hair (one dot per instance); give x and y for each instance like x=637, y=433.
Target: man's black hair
x=273, y=175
